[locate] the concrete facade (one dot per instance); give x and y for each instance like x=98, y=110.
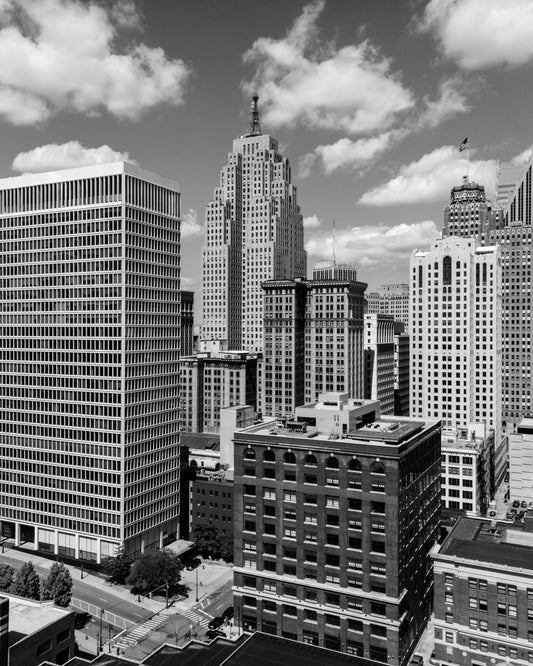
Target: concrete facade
x=521, y=462
x=379, y=360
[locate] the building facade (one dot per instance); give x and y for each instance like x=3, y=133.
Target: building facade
x=484, y=594
x=402, y=371
x=470, y=214
x=209, y=382
x=254, y=232
x=313, y=340
x=521, y=462
x=390, y=299
x=379, y=360
x=187, y=323
x=456, y=336
x=335, y=514
x=90, y=268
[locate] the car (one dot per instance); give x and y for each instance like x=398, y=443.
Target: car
x=228, y=613
x=433, y=659
x=213, y=633
x=520, y=515
x=417, y=660
x=506, y=478
x=216, y=622
x=509, y=515
x=530, y=505
x=516, y=504
x=523, y=504
x=192, y=564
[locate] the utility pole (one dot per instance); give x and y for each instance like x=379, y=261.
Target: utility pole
x=100, y=633
x=196, y=584
x=166, y=596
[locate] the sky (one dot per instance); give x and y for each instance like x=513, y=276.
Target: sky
x=369, y=100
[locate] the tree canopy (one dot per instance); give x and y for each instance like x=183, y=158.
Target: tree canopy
x=58, y=585
x=7, y=577
x=27, y=583
x=118, y=568
x=211, y=543
x=153, y=569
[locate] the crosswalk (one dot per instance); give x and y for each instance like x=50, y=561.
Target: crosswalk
x=195, y=617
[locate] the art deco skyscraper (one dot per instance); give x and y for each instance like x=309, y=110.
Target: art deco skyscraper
x=254, y=232
x=89, y=350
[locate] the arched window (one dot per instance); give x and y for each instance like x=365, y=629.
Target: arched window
x=193, y=464
x=269, y=456
x=355, y=465
x=310, y=460
x=420, y=273
x=332, y=463
x=249, y=454
x=447, y=270
x=377, y=467
x=289, y=458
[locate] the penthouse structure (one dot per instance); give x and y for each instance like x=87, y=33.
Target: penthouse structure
x=484, y=594
x=335, y=513
x=89, y=428
x=254, y=232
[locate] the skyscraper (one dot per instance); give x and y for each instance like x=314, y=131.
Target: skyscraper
x=456, y=335
x=90, y=272
x=379, y=360
x=470, y=214
x=254, y=232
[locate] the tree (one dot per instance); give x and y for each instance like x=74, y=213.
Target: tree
x=154, y=569
x=27, y=582
x=207, y=540
x=7, y=577
x=226, y=547
x=118, y=568
x=58, y=585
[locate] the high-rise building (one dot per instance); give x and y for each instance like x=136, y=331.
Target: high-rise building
x=390, y=299
x=519, y=199
x=335, y=514
x=89, y=454
x=456, y=336
x=187, y=322
x=379, y=360
x=313, y=339
x=507, y=177
x=211, y=381
x=254, y=232
x=402, y=369
x=470, y=214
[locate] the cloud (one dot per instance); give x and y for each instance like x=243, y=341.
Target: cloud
x=189, y=224
x=375, y=246
x=430, y=179
x=312, y=222
x=352, y=154
x=477, y=34
x=186, y=282
x=55, y=156
x=60, y=55
x=450, y=102
x=523, y=157
x=300, y=81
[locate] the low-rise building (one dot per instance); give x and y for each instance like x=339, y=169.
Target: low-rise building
x=484, y=594
x=521, y=462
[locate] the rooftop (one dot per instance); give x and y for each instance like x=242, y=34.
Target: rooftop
x=489, y=541
x=27, y=616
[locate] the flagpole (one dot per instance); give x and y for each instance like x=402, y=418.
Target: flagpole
x=467, y=161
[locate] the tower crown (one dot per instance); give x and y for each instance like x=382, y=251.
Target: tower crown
x=254, y=127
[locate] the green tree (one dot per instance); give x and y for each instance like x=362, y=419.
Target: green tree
x=207, y=540
x=226, y=547
x=58, y=585
x=7, y=577
x=27, y=582
x=153, y=569
x=118, y=568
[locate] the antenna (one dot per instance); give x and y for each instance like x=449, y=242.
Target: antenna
x=333, y=245
x=254, y=128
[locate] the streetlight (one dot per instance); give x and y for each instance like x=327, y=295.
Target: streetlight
x=196, y=584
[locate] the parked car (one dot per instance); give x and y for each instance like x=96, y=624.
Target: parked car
x=530, y=505
x=417, y=660
x=509, y=515
x=506, y=479
x=192, y=564
x=216, y=622
x=228, y=613
x=433, y=660
x=213, y=633
x=523, y=504
x=520, y=515
x=516, y=504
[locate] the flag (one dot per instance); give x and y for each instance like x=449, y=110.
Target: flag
x=464, y=145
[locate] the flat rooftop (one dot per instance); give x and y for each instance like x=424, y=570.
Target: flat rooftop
x=27, y=616
x=489, y=541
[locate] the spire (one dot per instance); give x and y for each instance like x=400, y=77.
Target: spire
x=255, y=126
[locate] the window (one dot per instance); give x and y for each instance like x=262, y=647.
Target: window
x=333, y=620
x=377, y=467
x=289, y=458
x=289, y=610
x=249, y=454
x=310, y=615
x=332, y=463
x=378, y=630
x=354, y=465
x=354, y=504
x=289, y=496
x=44, y=647
x=310, y=460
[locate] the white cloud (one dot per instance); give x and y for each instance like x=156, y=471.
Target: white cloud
x=312, y=222
x=189, y=224
x=351, y=89
x=60, y=54
x=430, y=179
x=478, y=33
x=352, y=154
x=450, y=102
x=305, y=165
x=55, y=156
x=375, y=246
x=523, y=157
x=186, y=282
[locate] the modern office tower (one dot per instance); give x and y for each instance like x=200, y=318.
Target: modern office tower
x=254, y=232
x=518, y=205
x=467, y=468
x=89, y=352
x=335, y=514
x=402, y=370
x=521, y=462
x=187, y=322
x=379, y=360
x=507, y=177
x=470, y=214
x=456, y=337
x=313, y=340
x=484, y=594
x=394, y=300
x=209, y=382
